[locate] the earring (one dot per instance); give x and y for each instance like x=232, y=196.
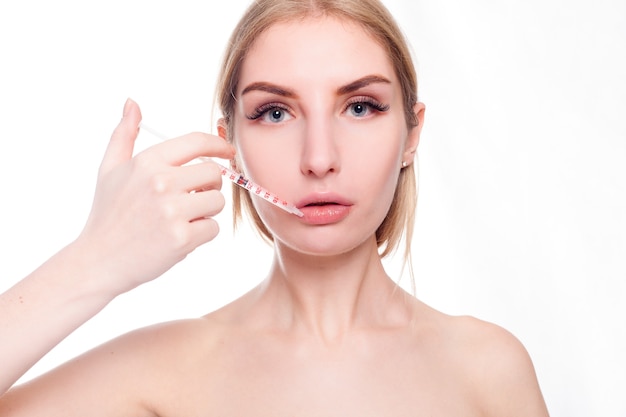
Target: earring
x=404, y=164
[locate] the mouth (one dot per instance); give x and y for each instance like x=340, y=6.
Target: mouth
x=323, y=203
x=324, y=209
x=323, y=200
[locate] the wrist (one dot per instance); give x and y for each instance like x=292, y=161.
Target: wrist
x=84, y=273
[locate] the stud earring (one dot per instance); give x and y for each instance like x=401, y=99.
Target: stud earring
x=404, y=164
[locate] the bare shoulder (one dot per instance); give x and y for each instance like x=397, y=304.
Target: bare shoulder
x=495, y=364
x=130, y=371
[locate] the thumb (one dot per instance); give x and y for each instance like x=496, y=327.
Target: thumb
x=122, y=140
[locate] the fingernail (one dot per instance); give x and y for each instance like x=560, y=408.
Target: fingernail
x=127, y=106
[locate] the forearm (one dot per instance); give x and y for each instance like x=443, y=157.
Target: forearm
x=149, y=213
x=44, y=308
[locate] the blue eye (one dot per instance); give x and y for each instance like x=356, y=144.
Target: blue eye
x=358, y=109
x=270, y=113
x=275, y=116
x=364, y=106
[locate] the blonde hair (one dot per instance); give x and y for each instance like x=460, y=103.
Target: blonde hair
x=379, y=23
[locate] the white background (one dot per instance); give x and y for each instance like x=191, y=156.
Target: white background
x=521, y=218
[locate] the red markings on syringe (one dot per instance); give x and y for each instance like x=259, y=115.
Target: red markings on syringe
x=239, y=179
x=242, y=181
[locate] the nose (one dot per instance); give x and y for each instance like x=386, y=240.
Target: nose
x=320, y=152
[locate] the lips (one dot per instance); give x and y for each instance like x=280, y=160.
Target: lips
x=321, y=209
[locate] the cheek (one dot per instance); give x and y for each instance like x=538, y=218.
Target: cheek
x=256, y=161
x=379, y=164
x=375, y=152
x=264, y=157
x=381, y=186
x=260, y=155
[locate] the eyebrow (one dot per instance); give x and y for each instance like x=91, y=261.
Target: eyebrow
x=362, y=82
x=269, y=88
x=346, y=89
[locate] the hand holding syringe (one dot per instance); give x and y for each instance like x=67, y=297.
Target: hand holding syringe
x=240, y=180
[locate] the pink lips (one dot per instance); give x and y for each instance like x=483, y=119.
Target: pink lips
x=320, y=209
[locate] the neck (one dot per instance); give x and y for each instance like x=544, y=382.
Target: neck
x=329, y=296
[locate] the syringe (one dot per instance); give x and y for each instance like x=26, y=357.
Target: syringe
x=239, y=179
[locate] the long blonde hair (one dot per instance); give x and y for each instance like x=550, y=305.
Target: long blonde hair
x=377, y=21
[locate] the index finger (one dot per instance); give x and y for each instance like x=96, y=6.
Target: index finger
x=183, y=149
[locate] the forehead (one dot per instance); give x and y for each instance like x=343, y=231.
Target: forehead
x=315, y=49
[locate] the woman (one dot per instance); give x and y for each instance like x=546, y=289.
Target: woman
x=319, y=103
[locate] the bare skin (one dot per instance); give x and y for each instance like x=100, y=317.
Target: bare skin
x=328, y=332
x=142, y=207
x=250, y=358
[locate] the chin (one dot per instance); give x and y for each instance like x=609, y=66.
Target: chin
x=323, y=240
x=324, y=244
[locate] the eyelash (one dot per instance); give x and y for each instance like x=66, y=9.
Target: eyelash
x=368, y=101
x=261, y=110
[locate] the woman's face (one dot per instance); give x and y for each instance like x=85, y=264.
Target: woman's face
x=319, y=121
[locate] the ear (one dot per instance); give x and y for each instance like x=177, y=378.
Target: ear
x=222, y=132
x=221, y=129
x=413, y=137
